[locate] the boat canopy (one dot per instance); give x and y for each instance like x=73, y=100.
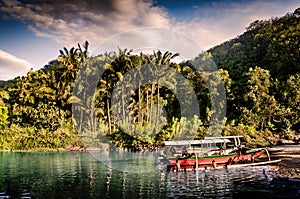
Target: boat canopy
x=207, y=140
x=195, y=142
x=222, y=137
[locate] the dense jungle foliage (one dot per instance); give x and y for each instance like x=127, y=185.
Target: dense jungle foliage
x=51, y=108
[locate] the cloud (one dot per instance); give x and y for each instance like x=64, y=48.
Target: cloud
x=70, y=22
x=11, y=66
x=226, y=20
x=74, y=21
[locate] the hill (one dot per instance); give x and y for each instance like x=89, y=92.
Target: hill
x=260, y=70
x=270, y=44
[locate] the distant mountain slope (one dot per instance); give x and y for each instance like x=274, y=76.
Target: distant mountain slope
x=270, y=44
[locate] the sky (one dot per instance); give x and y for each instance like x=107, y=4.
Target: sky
x=32, y=32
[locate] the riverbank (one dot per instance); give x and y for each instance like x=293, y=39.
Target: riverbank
x=289, y=167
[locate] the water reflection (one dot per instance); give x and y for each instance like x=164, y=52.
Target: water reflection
x=258, y=182
x=128, y=161
x=200, y=184
x=71, y=175
x=80, y=175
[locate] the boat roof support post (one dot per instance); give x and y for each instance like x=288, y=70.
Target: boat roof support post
x=196, y=161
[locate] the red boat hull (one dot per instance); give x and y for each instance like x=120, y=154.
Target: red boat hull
x=190, y=163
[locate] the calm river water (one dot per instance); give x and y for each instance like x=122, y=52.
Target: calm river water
x=81, y=175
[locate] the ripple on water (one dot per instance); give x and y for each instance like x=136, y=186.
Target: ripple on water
x=3, y=195
x=221, y=183
x=24, y=195
x=80, y=175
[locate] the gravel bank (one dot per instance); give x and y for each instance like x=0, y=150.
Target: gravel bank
x=289, y=167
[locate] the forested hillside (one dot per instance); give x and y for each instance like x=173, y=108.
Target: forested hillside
x=264, y=64
x=260, y=70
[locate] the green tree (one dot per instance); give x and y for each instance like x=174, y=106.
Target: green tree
x=261, y=108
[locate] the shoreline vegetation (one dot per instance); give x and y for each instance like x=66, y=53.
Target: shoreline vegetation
x=259, y=70
x=285, y=153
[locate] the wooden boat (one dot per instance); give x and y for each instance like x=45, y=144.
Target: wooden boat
x=209, y=152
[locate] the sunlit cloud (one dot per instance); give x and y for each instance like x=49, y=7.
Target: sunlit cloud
x=72, y=22
x=81, y=21
x=12, y=66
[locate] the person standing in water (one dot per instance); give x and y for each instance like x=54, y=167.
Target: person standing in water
x=214, y=164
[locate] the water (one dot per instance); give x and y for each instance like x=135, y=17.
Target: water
x=252, y=182
x=81, y=175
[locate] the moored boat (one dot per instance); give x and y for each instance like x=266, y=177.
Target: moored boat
x=209, y=152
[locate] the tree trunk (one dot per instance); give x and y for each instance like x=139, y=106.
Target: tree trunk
x=92, y=120
x=157, y=110
x=147, y=106
x=139, y=101
x=108, y=115
x=123, y=106
x=151, y=102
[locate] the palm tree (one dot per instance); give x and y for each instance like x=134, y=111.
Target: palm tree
x=161, y=61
